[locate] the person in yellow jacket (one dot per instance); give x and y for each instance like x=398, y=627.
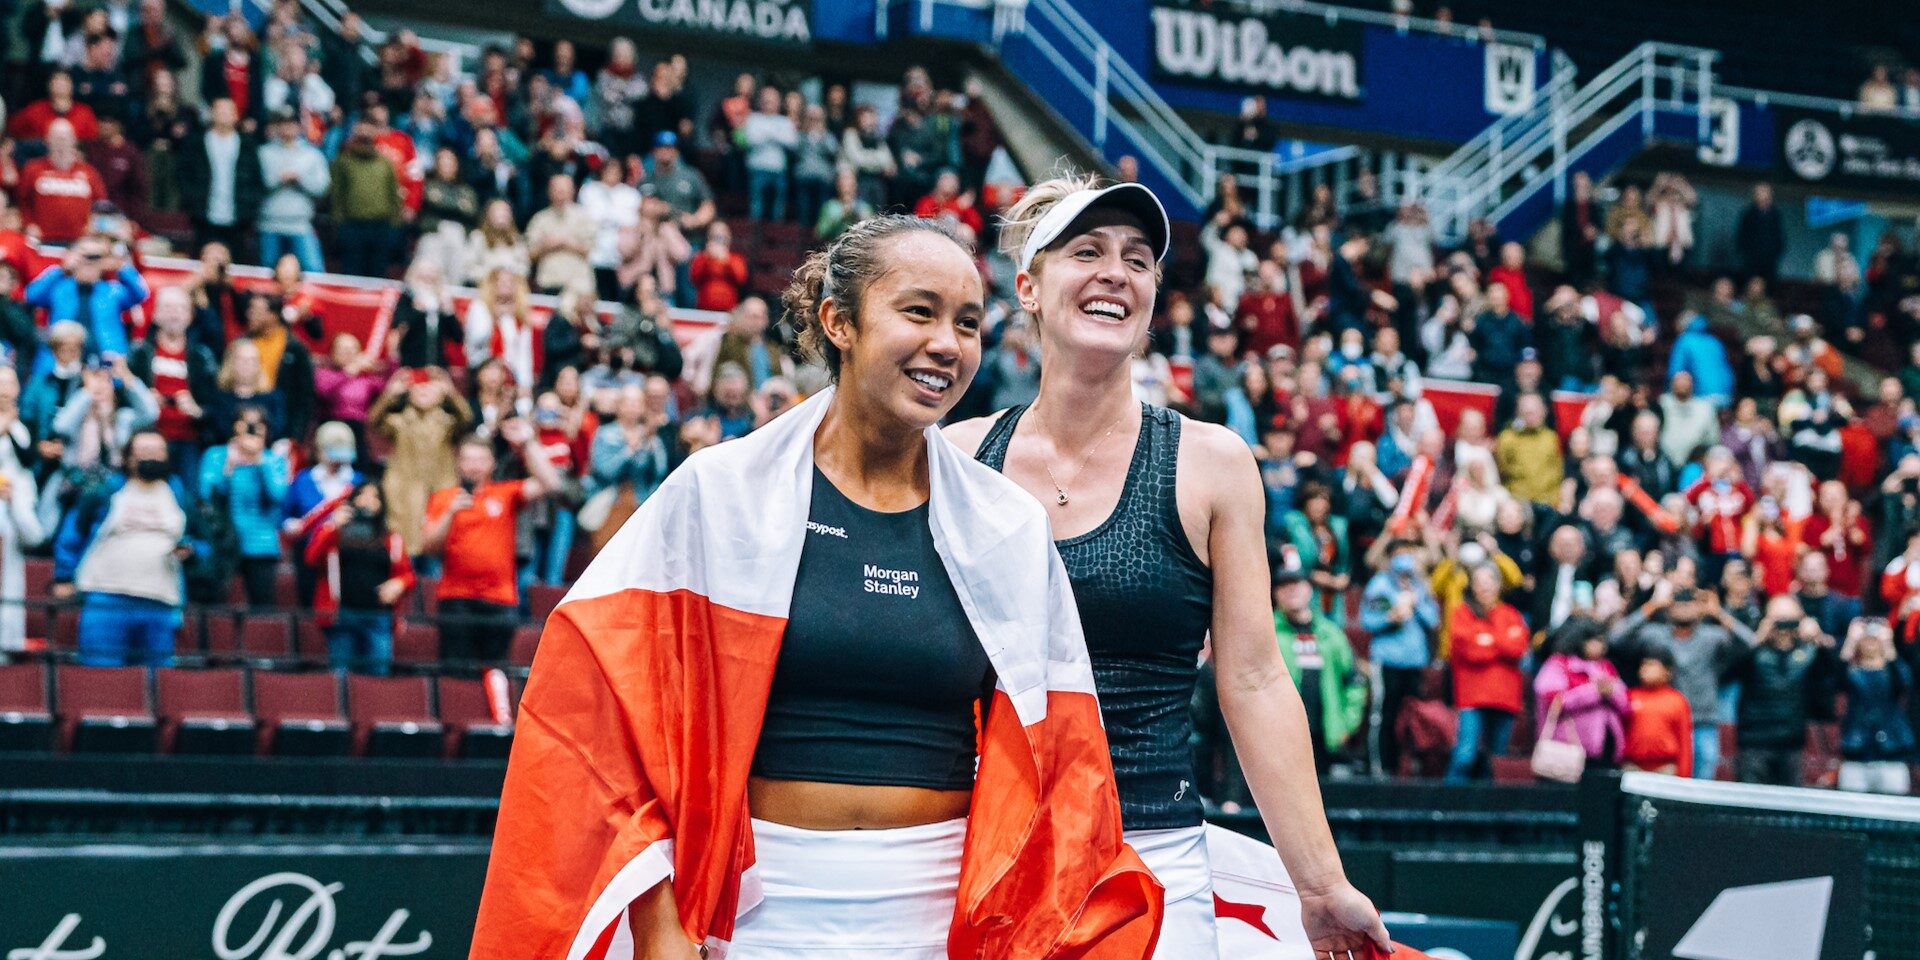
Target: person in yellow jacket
x=1528, y=453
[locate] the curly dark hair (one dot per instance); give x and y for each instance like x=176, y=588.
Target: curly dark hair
x=842, y=272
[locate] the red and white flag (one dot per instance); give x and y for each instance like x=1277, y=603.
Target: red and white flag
x=641, y=715
x=1256, y=908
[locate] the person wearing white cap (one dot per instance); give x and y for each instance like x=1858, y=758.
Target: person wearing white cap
x=1159, y=520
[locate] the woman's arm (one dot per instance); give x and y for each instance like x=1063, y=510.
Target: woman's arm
x=654, y=918
x=1260, y=704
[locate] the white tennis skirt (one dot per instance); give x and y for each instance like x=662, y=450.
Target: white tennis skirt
x=1178, y=857
x=852, y=894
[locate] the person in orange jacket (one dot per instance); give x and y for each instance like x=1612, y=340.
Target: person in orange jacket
x=1489, y=639
x=1659, y=722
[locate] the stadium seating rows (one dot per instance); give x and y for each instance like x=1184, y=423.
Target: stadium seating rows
x=237, y=711
x=285, y=636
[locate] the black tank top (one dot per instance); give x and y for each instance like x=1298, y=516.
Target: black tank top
x=1146, y=603
x=879, y=669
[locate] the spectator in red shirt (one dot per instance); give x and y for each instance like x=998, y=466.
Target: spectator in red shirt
x=472, y=527
x=1722, y=497
x=1512, y=274
x=1659, y=723
x=57, y=191
x=33, y=121
x=718, y=272
x=1489, y=638
x=183, y=375
x=1266, y=311
x=946, y=200
x=1837, y=530
x=15, y=250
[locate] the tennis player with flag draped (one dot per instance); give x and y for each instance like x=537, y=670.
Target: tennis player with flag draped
x=825, y=696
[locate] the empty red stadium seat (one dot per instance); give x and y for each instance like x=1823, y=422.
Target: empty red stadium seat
x=223, y=636
x=543, y=597
x=300, y=714
x=203, y=711
x=526, y=640
x=26, y=714
x=467, y=713
x=266, y=636
x=187, y=639
x=39, y=572
x=104, y=709
x=39, y=577
x=309, y=640
x=392, y=717
x=416, y=642
x=65, y=634
x=286, y=588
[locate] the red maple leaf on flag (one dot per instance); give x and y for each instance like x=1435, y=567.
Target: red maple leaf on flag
x=1251, y=914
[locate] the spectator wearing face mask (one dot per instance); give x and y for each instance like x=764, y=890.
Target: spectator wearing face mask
x=123, y=548
x=1399, y=610
x=317, y=490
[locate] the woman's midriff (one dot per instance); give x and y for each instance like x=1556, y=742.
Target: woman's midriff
x=840, y=806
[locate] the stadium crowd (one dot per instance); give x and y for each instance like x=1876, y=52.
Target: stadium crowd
x=1632, y=537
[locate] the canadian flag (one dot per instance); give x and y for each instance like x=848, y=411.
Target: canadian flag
x=1256, y=908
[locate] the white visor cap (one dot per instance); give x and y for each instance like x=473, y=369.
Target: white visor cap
x=1131, y=197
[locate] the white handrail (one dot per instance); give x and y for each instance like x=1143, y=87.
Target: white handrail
x=1400, y=22
x=1480, y=178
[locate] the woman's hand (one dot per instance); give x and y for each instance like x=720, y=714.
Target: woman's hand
x=1341, y=921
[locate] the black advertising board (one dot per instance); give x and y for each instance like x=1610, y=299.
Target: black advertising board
x=774, y=21
x=1273, y=53
x=1731, y=892
x=1864, y=150
x=306, y=902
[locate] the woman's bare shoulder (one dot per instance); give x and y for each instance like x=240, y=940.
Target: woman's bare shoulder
x=967, y=434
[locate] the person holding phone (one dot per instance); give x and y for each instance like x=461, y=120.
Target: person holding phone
x=1786, y=680
x=91, y=287
x=471, y=527
x=250, y=479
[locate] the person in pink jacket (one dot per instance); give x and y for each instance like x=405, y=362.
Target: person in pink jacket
x=1593, y=701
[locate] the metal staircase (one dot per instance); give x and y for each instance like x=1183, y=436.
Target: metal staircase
x=1515, y=172
x=1052, y=48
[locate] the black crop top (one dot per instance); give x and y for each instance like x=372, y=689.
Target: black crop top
x=1146, y=603
x=879, y=670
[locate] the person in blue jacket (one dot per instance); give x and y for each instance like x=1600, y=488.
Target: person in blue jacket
x=315, y=492
x=1399, y=610
x=1699, y=352
x=93, y=286
x=250, y=478
x=124, y=548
